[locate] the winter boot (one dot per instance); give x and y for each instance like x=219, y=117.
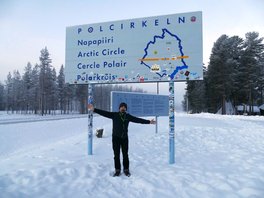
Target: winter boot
x=126, y=172
x=117, y=173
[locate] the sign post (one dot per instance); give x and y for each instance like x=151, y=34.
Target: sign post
x=90, y=120
x=171, y=123
x=157, y=116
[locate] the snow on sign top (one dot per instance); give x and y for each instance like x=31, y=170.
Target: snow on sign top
x=148, y=49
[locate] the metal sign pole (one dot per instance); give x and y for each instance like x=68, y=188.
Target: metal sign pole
x=90, y=120
x=171, y=123
x=157, y=116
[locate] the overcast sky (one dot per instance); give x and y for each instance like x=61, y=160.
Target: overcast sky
x=27, y=26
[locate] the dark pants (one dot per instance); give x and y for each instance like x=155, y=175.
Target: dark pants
x=120, y=143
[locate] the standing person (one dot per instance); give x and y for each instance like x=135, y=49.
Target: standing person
x=121, y=121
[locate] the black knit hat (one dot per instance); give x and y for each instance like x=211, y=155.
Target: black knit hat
x=122, y=104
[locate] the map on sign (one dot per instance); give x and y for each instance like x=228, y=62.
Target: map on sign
x=169, y=59
x=151, y=49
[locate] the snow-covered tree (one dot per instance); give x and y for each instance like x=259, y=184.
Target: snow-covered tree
x=249, y=73
x=45, y=78
x=2, y=97
x=61, y=90
x=223, y=65
x=195, y=98
x=28, y=91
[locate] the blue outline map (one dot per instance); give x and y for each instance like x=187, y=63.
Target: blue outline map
x=177, y=67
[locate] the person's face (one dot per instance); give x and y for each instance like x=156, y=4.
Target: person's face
x=122, y=109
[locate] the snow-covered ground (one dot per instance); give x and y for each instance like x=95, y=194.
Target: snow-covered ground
x=215, y=156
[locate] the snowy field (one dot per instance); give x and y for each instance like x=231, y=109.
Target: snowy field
x=216, y=156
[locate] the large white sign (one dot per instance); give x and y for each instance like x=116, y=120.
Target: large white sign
x=137, y=50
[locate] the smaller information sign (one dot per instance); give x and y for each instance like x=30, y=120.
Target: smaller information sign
x=140, y=104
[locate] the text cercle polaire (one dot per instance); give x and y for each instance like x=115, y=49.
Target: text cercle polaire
x=104, y=64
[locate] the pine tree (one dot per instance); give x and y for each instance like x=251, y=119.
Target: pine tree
x=14, y=91
x=61, y=90
x=222, y=67
x=260, y=87
x=82, y=95
x=27, y=84
x=70, y=94
x=53, y=101
x=250, y=69
x=2, y=97
x=9, y=97
x=45, y=78
x=195, y=99
x=36, y=98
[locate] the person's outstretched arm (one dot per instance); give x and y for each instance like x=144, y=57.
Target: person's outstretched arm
x=101, y=112
x=141, y=120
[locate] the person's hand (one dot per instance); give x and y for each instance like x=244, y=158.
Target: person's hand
x=91, y=107
x=152, y=121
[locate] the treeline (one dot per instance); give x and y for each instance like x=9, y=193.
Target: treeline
x=235, y=74
x=41, y=91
